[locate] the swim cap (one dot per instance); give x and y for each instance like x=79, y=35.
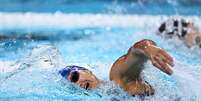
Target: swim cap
x=65, y=72
x=175, y=26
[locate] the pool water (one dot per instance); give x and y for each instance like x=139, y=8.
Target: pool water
x=40, y=41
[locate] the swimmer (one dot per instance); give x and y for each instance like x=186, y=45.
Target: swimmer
x=80, y=76
x=126, y=71
x=183, y=29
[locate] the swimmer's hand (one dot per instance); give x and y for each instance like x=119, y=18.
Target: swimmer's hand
x=160, y=59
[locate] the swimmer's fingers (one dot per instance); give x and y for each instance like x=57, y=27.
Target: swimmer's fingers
x=167, y=58
x=156, y=64
x=163, y=66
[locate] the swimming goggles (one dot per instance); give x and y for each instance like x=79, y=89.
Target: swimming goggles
x=71, y=71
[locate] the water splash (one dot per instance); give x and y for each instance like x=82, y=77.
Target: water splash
x=62, y=21
x=187, y=83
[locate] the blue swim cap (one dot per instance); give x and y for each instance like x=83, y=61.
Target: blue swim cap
x=65, y=72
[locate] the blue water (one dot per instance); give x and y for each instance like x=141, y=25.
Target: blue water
x=181, y=7
x=93, y=37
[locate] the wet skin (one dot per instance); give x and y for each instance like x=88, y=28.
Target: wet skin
x=126, y=71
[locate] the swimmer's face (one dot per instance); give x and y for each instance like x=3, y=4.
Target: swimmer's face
x=84, y=78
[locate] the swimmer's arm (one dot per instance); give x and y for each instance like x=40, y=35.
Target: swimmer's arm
x=134, y=62
x=158, y=56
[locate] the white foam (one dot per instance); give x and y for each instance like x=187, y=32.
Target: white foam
x=187, y=84
x=7, y=66
x=63, y=21
x=50, y=58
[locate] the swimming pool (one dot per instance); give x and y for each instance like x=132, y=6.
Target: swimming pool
x=93, y=37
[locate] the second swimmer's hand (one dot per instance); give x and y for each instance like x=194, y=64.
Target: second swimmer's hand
x=160, y=59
